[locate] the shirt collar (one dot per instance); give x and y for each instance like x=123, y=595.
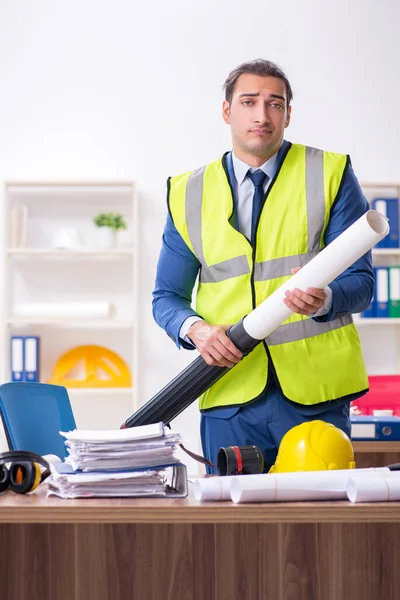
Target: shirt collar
x=240, y=168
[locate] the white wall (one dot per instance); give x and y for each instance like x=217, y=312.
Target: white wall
x=114, y=89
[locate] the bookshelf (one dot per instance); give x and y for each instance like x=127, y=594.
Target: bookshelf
x=380, y=337
x=34, y=271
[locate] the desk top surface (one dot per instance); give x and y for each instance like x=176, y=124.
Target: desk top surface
x=38, y=508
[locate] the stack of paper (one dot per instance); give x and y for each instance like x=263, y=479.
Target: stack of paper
x=137, y=447
x=138, y=461
x=66, y=483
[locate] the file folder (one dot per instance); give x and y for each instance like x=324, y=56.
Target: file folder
x=394, y=292
x=393, y=216
x=369, y=427
x=390, y=208
x=31, y=354
x=17, y=358
x=381, y=206
x=67, y=483
x=382, y=292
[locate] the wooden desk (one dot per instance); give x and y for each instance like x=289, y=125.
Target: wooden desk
x=376, y=454
x=126, y=549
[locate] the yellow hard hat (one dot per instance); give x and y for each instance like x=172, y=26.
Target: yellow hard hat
x=314, y=446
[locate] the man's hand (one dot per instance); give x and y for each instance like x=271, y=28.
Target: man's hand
x=213, y=344
x=305, y=303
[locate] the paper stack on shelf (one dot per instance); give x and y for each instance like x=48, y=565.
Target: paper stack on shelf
x=139, y=461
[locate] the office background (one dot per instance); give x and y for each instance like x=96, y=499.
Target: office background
x=126, y=90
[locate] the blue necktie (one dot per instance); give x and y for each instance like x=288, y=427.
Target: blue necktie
x=258, y=178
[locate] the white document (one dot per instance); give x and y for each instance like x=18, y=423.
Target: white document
x=374, y=489
x=79, y=485
x=300, y=486
x=121, y=449
x=118, y=462
x=142, y=432
x=138, y=461
x=319, y=272
x=213, y=489
x=283, y=487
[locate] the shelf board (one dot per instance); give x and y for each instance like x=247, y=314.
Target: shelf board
x=372, y=184
x=56, y=186
x=50, y=253
x=386, y=252
x=388, y=321
x=72, y=323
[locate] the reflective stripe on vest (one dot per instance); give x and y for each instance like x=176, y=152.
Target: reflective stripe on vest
x=224, y=270
x=299, y=330
x=277, y=267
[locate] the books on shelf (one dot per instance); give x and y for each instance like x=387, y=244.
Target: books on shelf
x=139, y=461
x=18, y=225
x=390, y=208
x=386, y=301
x=24, y=358
x=394, y=292
x=382, y=292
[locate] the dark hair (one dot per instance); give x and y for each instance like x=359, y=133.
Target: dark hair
x=262, y=67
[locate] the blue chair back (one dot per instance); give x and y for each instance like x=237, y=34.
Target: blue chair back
x=33, y=414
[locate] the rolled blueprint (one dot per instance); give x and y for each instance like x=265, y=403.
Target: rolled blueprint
x=335, y=258
x=62, y=310
x=319, y=272
x=374, y=489
x=300, y=486
x=213, y=488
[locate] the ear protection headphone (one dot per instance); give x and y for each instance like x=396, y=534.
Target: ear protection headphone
x=24, y=473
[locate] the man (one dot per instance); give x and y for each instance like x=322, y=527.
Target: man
x=245, y=223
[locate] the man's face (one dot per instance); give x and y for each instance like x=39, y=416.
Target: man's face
x=258, y=116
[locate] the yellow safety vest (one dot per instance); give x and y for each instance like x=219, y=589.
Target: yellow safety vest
x=314, y=362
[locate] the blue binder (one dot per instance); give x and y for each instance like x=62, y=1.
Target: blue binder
x=31, y=358
x=382, y=292
x=367, y=428
x=17, y=358
x=390, y=208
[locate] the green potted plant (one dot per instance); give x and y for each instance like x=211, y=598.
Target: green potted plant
x=108, y=225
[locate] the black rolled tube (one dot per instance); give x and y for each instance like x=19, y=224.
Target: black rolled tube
x=188, y=385
x=240, y=460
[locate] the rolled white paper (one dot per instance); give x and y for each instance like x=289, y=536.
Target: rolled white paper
x=294, y=487
x=374, y=489
x=47, y=310
x=212, y=489
x=319, y=272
